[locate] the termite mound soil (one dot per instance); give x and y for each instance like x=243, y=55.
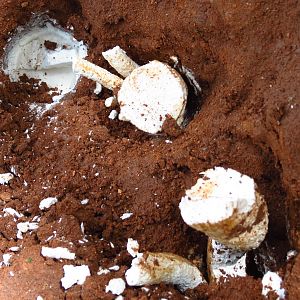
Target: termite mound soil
x=246, y=58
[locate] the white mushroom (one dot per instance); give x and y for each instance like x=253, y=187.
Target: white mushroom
x=147, y=96
x=225, y=205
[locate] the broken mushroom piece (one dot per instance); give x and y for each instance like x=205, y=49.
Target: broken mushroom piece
x=224, y=262
x=226, y=206
x=119, y=60
x=147, y=96
x=155, y=268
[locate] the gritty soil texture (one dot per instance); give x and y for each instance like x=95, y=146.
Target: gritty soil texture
x=246, y=57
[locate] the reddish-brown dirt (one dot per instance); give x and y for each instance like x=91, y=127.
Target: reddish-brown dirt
x=245, y=56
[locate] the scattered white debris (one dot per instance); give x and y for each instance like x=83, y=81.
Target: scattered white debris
x=225, y=205
x=11, y=212
x=109, y=101
x=84, y=201
x=5, y=178
x=272, y=282
x=14, y=249
x=114, y=268
x=98, y=88
x=291, y=254
x=133, y=247
x=48, y=202
x=6, y=258
x=102, y=271
x=119, y=60
x=74, y=275
x=116, y=286
x=126, y=216
x=57, y=253
x=155, y=268
x=24, y=227
x=113, y=114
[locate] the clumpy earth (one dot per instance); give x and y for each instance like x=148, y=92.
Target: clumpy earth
x=246, y=57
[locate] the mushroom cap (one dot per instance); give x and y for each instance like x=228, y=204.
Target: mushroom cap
x=151, y=93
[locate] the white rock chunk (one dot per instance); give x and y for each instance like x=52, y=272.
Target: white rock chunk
x=47, y=203
x=126, y=216
x=272, y=282
x=57, y=253
x=224, y=204
x=116, y=286
x=74, y=275
x=155, y=268
x=5, y=178
x=150, y=94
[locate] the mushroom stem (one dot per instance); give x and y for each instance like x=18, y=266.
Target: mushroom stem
x=120, y=61
x=96, y=73
x=155, y=268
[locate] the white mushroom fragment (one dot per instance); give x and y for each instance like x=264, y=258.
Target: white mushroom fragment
x=147, y=96
x=57, y=253
x=150, y=94
x=74, y=275
x=155, y=268
x=223, y=262
x=96, y=73
x=272, y=282
x=116, y=286
x=226, y=206
x=119, y=60
x=29, y=53
x=5, y=178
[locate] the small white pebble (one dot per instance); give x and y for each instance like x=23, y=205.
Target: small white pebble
x=291, y=254
x=133, y=247
x=74, y=275
x=11, y=212
x=112, y=245
x=102, y=271
x=126, y=216
x=109, y=101
x=5, y=178
x=116, y=286
x=6, y=258
x=84, y=201
x=11, y=274
x=113, y=114
x=14, y=249
x=48, y=202
x=114, y=268
x=168, y=142
x=39, y=298
x=98, y=88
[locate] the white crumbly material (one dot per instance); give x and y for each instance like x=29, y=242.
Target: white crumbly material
x=119, y=60
x=126, y=216
x=272, y=282
x=84, y=201
x=47, y=203
x=116, y=286
x=149, y=94
x=96, y=73
x=103, y=271
x=155, y=268
x=14, y=249
x=113, y=114
x=98, y=88
x=74, y=275
x=219, y=202
x=27, y=54
x=133, y=247
x=5, y=178
x=24, y=227
x=12, y=212
x=109, y=101
x=224, y=262
x=57, y=253
x=6, y=259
